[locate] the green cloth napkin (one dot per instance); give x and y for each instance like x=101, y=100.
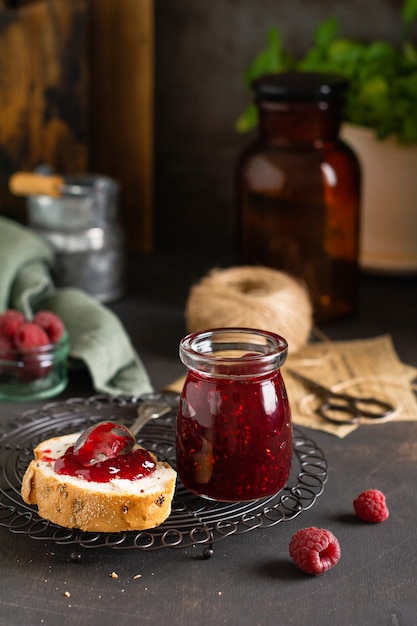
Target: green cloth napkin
x=97, y=338
x=25, y=261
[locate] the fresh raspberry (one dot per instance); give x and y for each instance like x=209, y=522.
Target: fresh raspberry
x=314, y=550
x=51, y=324
x=10, y=322
x=30, y=336
x=7, y=354
x=371, y=506
x=8, y=366
x=6, y=346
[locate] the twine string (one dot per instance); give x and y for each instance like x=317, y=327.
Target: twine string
x=252, y=297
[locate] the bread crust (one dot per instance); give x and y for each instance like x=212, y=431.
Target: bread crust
x=73, y=502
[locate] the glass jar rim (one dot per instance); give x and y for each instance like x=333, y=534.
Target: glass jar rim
x=233, y=352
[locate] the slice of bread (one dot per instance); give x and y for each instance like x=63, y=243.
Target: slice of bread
x=113, y=506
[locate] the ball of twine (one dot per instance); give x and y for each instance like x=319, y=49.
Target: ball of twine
x=251, y=297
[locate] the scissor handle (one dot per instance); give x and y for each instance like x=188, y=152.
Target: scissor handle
x=355, y=407
x=327, y=411
x=357, y=403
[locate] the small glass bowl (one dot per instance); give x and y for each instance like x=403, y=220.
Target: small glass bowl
x=34, y=374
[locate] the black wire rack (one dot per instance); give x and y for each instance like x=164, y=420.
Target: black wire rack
x=193, y=521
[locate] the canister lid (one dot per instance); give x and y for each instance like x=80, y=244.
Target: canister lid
x=299, y=86
x=87, y=201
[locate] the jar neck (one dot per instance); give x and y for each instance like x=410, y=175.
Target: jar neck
x=299, y=121
x=233, y=352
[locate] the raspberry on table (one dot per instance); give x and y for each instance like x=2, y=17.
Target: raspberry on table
x=51, y=324
x=10, y=322
x=371, y=506
x=314, y=550
x=30, y=335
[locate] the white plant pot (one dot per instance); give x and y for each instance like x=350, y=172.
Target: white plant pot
x=388, y=239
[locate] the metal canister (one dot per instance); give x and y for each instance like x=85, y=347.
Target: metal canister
x=82, y=226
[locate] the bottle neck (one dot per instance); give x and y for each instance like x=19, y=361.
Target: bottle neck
x=299, y=122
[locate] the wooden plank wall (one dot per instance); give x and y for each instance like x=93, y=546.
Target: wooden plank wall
x=43, y=91
x=122, y=84
x=76, y=92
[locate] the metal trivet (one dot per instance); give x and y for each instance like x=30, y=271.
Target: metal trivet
x=193, y=521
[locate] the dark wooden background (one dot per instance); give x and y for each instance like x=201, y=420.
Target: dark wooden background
x=148, y=91
x=76, y=93
x=43, y=91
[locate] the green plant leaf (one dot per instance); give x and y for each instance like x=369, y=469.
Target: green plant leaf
x=409, y=12
x=410, y=54
x=409, y=130
x=345, y=56
x=247, y=120
x=375, y=93
x=382, y=92
x=326, y=33
x=272, y=59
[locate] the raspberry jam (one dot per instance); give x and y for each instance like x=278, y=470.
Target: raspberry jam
x=234, y=433
x=103, y=457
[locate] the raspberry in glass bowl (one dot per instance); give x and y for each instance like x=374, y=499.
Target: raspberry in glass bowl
x=33, y=356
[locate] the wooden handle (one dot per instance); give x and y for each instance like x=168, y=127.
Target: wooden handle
x=28, y=184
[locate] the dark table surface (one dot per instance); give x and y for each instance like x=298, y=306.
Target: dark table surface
x=250, y=579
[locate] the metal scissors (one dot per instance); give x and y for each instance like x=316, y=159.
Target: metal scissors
x=355, y=406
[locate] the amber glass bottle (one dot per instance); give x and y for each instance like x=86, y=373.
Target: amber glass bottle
x=299, y=189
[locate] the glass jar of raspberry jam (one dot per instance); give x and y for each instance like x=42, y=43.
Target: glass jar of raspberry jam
x=234, y=432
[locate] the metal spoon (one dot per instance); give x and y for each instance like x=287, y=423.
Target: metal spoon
x=116, y=439
x=149, y=410
x=104, y=440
